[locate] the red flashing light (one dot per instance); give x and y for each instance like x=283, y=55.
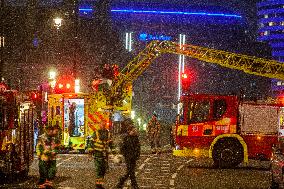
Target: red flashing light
x=65, y=84
x=185, y=81
x=33, y=95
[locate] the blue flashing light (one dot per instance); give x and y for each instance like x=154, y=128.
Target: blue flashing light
x=164, y=12
x=86, y=9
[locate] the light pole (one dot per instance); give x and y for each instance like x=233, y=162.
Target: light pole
x=57, y=23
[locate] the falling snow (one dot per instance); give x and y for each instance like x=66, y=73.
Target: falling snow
x=95, y=33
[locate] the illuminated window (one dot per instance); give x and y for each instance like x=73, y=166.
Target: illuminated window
x=265, y=33
x=266, y=16
x=279, y=83
x=271, y=23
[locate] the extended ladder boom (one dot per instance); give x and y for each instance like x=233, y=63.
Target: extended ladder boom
x=248, y=64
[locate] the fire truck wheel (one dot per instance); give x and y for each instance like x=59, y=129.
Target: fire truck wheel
x=227, y=153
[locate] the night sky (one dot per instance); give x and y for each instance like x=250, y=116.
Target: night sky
x=246, y=8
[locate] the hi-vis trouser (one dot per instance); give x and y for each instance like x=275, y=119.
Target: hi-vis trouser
x=101, y=166
x=101, y=157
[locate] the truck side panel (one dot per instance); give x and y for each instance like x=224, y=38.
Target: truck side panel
x=260, y=146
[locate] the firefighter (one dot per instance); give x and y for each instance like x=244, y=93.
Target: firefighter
x=100, y=145
x=130, y=149
x=46, y=149
x=153, y=132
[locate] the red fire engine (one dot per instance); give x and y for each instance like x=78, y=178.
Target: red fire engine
x=221, y=127
x=17, y=118
x=226, y=129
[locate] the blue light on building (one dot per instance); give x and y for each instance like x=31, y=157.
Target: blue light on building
x=150, y=37
x=271, y=30
x=163, y=12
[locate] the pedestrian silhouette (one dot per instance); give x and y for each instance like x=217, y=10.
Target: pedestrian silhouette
x=130, y=149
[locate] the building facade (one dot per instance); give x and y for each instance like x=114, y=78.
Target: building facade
x=271, y=30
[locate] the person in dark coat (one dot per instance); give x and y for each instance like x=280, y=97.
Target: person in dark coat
x=130, y=148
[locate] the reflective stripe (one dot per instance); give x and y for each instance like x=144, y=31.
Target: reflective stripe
x=100, y=181
x=99, y=144
x=100, y=149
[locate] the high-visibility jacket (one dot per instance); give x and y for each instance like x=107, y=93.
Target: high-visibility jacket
x=101, y=142
x=47, y=148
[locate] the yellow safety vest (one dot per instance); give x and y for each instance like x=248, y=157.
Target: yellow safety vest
x=102, y=144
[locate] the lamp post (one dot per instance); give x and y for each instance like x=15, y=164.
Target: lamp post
x=57, y=24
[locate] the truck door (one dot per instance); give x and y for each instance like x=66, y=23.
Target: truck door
x=55, y=112
x=195, y=115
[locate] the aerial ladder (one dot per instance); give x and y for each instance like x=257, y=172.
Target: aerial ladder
x=248, y=64
x=101, y=105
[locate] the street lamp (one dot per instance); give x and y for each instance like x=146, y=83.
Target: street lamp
x=57, y=22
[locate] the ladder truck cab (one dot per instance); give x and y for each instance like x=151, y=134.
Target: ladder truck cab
x=17, y=117
x=226, y=129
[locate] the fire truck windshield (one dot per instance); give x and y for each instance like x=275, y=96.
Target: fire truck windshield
x=195, y=111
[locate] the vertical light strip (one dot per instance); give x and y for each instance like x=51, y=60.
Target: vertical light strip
x=130, y=42
x=181, y=66
x=179, y=71
x=183, y=57
x=126, y=40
